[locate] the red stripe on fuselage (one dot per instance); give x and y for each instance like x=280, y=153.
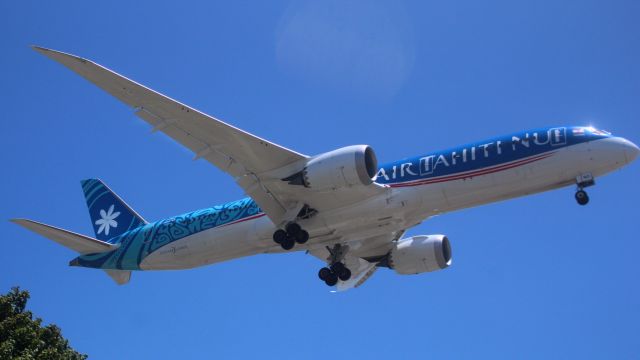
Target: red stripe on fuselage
x=473, y=173
x=245, y=219
x=465, y=175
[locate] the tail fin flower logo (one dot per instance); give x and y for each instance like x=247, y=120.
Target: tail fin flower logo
x=107, y=220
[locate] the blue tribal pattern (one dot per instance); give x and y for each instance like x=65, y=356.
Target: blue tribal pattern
x=136, y=244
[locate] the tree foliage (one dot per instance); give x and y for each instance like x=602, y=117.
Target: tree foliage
x=22, y=337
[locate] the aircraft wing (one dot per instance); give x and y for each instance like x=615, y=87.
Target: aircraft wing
x=244, y=156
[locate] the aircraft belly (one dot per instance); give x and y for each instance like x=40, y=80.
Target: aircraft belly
x=396, y=209
x=175, y=255
x=598, y=157
x=380, y=214
x=207, y=247
x=530, y=178
x=558, y=170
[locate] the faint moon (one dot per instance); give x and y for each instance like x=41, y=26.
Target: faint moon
x=362, y=48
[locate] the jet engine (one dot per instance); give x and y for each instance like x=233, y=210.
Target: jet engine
x=422, y=253
x=342, y=168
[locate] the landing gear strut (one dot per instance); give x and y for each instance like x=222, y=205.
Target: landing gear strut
x=583, y=181
x=291, y=235
x=337, y=270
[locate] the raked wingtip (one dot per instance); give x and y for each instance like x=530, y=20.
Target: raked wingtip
x=56, y=55
x=39, y=49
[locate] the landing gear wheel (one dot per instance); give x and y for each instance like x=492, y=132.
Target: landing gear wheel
x=324, y=273
x=337, y=268
x=291, y=235
x=288, y=243
x=331, y=279
x=301, y=237
x=279, y=236
x=581, y=197
x=293, y=229
x=345, y=274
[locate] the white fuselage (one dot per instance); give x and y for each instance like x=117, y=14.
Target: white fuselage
x=399, y=208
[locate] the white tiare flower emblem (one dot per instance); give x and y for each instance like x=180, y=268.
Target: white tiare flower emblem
x=107, y=220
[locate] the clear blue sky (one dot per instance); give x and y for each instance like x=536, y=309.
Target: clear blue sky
x=535, y=277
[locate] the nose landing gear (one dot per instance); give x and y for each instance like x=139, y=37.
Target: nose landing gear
x=583, y=181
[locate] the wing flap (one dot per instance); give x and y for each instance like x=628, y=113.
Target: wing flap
x=74, y=241
x=361, y=271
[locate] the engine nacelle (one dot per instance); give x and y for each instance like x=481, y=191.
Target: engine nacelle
x=346, y=167
x=422, y=253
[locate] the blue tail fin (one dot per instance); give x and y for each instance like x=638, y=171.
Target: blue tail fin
x=110, y=215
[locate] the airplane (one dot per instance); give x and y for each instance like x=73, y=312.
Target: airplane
x=340, y=206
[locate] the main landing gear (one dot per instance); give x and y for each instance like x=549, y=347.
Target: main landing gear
x=291, y=235
x=583, y=181
x=337, y=270
x=331, y=274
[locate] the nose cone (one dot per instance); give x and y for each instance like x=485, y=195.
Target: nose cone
x=631, y=151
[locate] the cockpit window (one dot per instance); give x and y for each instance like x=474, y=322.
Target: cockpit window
x=595, y=131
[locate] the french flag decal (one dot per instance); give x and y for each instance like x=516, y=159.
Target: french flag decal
x=578, y=132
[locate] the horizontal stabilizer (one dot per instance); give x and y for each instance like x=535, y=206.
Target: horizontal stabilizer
x=74, y=241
